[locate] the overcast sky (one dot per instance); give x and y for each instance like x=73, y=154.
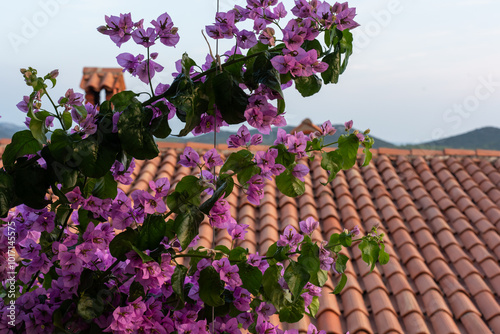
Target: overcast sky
x=421, y=69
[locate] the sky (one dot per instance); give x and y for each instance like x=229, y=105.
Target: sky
x=421, y=70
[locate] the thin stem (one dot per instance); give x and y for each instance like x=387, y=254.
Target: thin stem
x=149, y=76
x=59, y=117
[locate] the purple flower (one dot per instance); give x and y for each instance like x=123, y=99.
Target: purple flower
x=212, y=158
x=220, y=215
x=120, y=174
x=348, y=125
x=327, y=129
x=160, y=187
x=237, y=231
x=309, y=225
x=255, y=190
x=71, y=99
x=144, y=74
x=228, y=273
x=143, y=37
x=129, y=62
x=246, y=39
x=165, y=29
x=189, y=158
x=23, y=105
x=361, y=137
x=149, y=203
x=284, y=64
x=299, y=171
x=313, y=330
x=118, y=28
x=242, y=299
x=265, y=310
x=240, y=138
x=290, y=237
x=355, y=230
x=345, y=19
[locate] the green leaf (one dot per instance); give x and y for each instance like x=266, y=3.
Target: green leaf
x=292, y=312
x=67, y=120
x=251, y=277
x=271, y=289
x=6, y=193
x=188, y=191
x=209, y=203
x=211, y=287
x=235, y=69
x=367, y=144
x=334, y=243
x=31, y=185
x=82, y=111
x=281, y=106
x=178, y=278
x=136, y=290
x=223, y=249
x=345, y=48
x=369, y=252
x=90, y=308
x=120, y=101
x=289, y=185
x=309, y=260
x=37, y=125
x=344, y=157
x=308, y=86
x=341, y=263
x=230, y=99
x=314, y=44
x=340, y=285
x=190, y=101
x=93, y=156
x=242, y=164
x=159, y=126
x=187, y=63
x=345, y=239
x=187, y=225
x=383, y=257
x=314, y=307
x=331, y=75
x=284, y=157
x=145, y=258
x=106, y=187
x=22, y=143
x=152, y=233
x=61, y=145
x=265, y=73
x=238, y=254
x=135, y=138
x=296, y=277
x=122, y=244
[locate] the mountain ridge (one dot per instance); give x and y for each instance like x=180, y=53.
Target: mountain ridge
x=487, y=138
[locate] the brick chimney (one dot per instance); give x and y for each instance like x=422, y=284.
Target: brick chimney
x=95, y=79
x=306, y=126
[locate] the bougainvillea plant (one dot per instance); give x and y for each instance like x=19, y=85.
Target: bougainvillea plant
x=90, y=259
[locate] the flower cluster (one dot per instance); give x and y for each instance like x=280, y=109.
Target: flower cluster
x=92, y=258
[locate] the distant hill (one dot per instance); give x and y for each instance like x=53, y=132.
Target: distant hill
x=487, y=138
x=8, y=129
x=270, y=138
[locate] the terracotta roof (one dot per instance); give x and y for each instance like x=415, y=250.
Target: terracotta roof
x=440, y=211
x=96, y=79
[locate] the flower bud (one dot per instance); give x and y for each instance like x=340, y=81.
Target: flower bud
x=367, y=131
x=54, y=74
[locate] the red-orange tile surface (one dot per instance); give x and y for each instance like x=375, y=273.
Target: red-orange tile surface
x=439, y=210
